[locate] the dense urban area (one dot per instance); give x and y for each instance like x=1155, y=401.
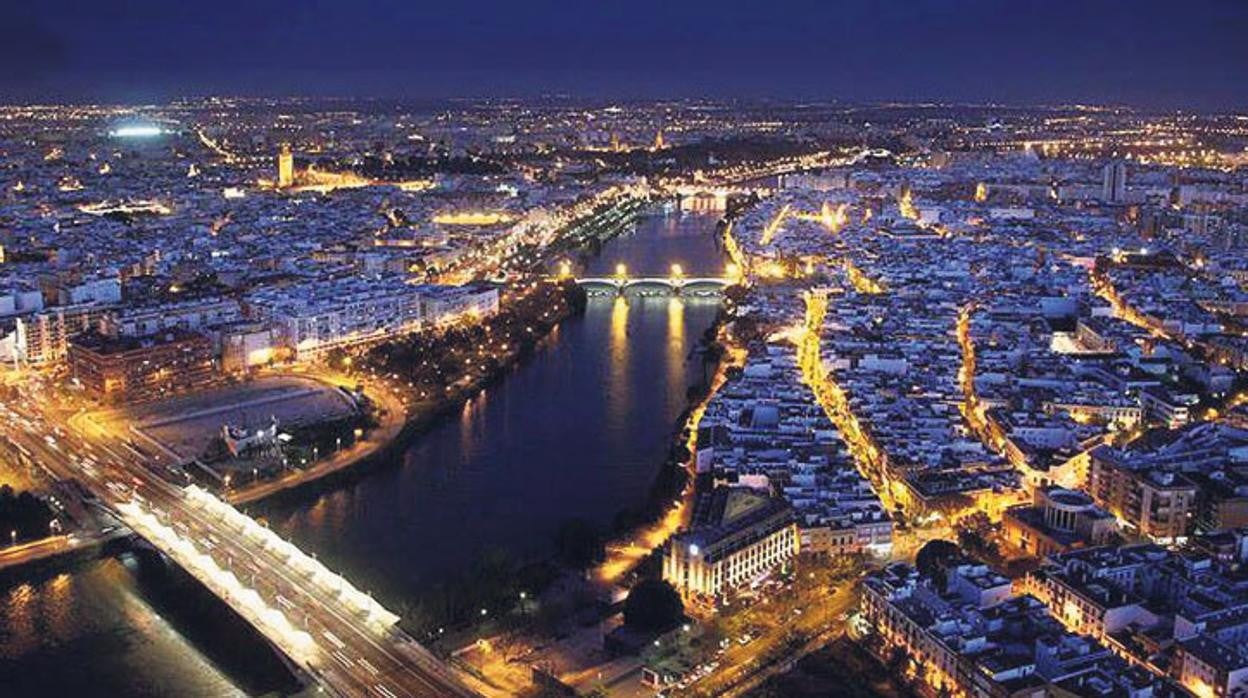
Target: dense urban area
x=971, y=418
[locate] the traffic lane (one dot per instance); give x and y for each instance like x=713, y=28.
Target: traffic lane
x=379, y=667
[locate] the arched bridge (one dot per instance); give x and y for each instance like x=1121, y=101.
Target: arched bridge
x=654, y=286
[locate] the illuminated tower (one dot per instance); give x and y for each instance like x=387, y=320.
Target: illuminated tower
x=615, y=142
x=658, y=140
x=285, y=167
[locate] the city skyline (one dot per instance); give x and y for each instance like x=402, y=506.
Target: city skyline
x=628, y=350
x=1141, y=54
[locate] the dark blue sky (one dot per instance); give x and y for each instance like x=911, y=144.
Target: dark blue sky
x=1164, y=53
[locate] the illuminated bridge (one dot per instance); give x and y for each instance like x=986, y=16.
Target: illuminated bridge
x=654, y=286
x=341, y=637
x=337, y=635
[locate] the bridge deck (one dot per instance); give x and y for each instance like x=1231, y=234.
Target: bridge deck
x=347, y=642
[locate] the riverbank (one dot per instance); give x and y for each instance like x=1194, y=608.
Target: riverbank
x=406, y=404
x=398, y=424
x=572, y=651
x=57, y=550
x=627, y=551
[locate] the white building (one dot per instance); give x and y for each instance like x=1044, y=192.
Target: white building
x=142, y=321
x=443, y=304
x=315, y=317
x=737, y=536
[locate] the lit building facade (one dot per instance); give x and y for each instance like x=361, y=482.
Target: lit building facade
x=967, y=634
x=1060, y=520
x=313, y=318
x=285, y=167
x=1151, y=501
x=738, y=535
x=136, y=369
x=43, y=338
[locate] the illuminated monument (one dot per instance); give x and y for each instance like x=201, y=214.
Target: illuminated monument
x=285, y=167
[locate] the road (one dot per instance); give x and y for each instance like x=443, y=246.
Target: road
x=52, y=546
x=815, y=619
x=347, y=652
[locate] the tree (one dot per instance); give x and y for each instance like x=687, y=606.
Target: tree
x=580, y=544
x=933, y=557
x=653, y=605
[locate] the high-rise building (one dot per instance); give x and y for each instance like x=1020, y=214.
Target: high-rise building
x=285, y=167
x=1114, y=183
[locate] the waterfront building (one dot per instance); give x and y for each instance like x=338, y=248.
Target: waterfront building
x=314, y=317
x=446, y=304
x=737, y=536
x=765, y=428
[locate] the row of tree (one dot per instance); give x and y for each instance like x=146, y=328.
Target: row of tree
x=24, y=514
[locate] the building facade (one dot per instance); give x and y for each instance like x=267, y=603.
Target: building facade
x=738, y=535
x=137, y=369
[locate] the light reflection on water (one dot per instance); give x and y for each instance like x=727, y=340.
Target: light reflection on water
x=114, y=628
x=579, y=430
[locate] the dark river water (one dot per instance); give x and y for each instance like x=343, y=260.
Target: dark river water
x=578, y=430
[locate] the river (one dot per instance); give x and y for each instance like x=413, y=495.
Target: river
x=576, y=431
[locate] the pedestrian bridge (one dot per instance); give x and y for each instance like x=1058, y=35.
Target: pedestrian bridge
x=654, y=286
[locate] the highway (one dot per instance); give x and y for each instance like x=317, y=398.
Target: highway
x=317, y=620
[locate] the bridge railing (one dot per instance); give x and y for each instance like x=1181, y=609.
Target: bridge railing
x=376, y=614
x=270, y=621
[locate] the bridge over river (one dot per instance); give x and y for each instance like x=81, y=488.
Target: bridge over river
x=339, y=636
x=676, y=284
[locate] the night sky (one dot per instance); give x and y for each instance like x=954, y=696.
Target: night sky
x=1149, y=53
